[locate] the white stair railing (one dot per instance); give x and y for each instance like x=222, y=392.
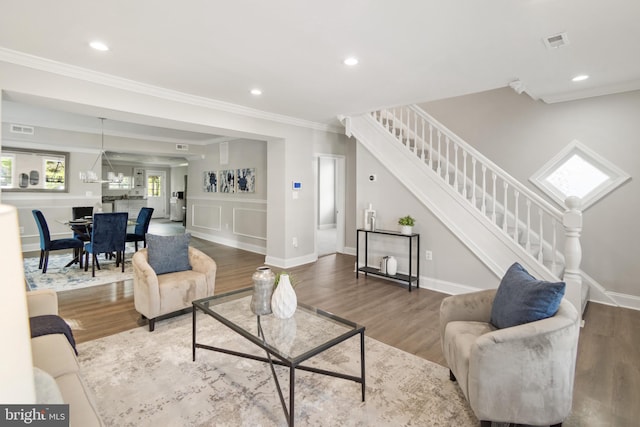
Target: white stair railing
x=526, y=218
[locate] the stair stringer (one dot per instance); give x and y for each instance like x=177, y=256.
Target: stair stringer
x=496, y=250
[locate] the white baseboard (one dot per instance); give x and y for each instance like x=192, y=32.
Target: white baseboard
x=625, y=300
x=228, y=242
x=349, y=251
x=445, y=287
x=290, y=262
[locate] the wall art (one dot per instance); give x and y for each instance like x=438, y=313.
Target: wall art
x=210, y=184
x=227, y=183
x=246, y=180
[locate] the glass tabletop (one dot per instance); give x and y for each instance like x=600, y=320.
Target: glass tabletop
x=307, y=333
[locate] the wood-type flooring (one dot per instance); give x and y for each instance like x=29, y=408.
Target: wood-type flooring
x=607, y=384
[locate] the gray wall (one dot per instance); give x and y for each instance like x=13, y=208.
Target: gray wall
x=453, y=264
x=239, y=219
x=520, y=135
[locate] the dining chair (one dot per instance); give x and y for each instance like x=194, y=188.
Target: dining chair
x=108, y=234
x=81, y=231
x=142, y=226
x=47, y=245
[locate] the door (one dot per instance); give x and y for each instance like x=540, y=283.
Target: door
x=157, y=193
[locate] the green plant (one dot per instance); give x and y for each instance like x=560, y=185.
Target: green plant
x=407, y=220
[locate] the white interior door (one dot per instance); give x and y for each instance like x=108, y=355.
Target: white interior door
x=157, y=193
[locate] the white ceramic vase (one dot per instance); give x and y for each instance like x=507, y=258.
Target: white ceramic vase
x=406, y=229
x=392, y=266
x=284, y=300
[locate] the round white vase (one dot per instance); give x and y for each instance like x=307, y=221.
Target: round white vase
x=284, y=300
x=392, y=266
x=406, y=229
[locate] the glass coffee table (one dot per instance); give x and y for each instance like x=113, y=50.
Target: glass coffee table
x=286, y=342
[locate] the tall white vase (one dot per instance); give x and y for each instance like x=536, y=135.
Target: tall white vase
x=284, y=300
x=392, y=266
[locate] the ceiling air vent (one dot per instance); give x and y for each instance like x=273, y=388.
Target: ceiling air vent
x=182, y=147
x=556, y=41
x=25, y=130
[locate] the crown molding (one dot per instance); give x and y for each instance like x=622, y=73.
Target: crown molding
x=67, y=70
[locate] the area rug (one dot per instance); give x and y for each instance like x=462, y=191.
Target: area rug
x=61, y=278
x=142, y=378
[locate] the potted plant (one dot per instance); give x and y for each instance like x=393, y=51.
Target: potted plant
x=406, y=224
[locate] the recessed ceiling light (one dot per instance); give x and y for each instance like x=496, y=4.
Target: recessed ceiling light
x=580, y=78
x=351, y=61
x=256, y=92
x=98, y=45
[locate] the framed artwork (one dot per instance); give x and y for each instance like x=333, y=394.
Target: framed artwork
x=210, y=182
x=246, y=180
x=227, y=183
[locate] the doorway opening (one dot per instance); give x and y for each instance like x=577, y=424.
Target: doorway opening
x=330, y=191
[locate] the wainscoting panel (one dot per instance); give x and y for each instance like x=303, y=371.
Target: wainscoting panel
x=250, y=223
x=208, y=217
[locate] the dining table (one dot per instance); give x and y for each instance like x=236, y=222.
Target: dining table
x=82, y=228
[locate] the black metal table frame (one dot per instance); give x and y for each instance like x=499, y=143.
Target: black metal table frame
x=281, y=361
x=408, y=278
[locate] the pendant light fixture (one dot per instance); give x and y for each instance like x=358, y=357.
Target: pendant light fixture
x=91, y=176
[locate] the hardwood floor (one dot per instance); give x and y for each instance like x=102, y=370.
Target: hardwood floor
x=607, y=384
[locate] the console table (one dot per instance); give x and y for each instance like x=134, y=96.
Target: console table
x=409, y=278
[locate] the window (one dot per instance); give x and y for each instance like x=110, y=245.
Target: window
x=6, y=175
x=34, y=170
x=54, y=170
x=154, y=186
x=578, y=171
x=125, y=184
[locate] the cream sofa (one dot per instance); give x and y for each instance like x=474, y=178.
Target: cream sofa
x=54, y=355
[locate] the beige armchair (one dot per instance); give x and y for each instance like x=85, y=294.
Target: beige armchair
x=522, y=374
x=157, y=295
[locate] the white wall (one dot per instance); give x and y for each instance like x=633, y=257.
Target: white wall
x=520, y=135
x=234, y=219
x=291, y=143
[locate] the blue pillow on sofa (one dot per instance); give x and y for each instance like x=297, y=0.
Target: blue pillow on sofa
x=168, y=254
x=521, y=298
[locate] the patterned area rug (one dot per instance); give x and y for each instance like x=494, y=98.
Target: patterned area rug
x=61, y=278
x=142, y=378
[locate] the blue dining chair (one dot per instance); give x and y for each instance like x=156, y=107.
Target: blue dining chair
x=142, y=226
x=81, y=231
x=108, y=234
x=47, y=245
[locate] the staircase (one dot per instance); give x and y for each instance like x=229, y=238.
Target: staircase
x=497, y=217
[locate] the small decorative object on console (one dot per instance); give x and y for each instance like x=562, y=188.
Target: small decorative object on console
x=392, y=266
x=406, y=224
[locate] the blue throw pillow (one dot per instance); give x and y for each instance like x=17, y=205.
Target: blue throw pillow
x=521, y=298
x=168, y=254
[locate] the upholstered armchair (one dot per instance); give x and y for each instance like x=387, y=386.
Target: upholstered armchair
x=520, y=374
x=156, y=295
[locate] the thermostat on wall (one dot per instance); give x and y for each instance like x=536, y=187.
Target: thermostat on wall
x=297, y=185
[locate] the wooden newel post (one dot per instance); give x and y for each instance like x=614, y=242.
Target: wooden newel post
x=572, y=223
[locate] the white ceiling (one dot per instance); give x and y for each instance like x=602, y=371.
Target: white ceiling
x=410, y=51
